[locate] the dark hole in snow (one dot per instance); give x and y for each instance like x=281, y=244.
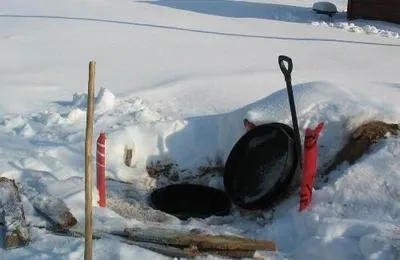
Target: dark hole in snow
x=190, y=200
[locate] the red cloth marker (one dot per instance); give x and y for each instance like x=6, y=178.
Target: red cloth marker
x=101, y=169
x=310, y=165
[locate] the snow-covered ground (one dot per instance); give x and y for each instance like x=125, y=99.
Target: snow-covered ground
x=174, y=81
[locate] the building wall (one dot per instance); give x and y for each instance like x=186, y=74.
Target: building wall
x=385, y=10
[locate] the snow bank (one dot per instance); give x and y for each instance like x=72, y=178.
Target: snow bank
x=360, y=27
x=194, y=141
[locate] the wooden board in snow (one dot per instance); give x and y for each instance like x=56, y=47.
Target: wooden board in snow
x=17, y=233
x=202, y=241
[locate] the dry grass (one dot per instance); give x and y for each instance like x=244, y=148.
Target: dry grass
x=360, y=142
x=173, y=172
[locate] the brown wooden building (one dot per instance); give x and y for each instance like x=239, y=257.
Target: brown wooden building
x=385, y=10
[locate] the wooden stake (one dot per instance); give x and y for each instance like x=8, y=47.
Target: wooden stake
x=88, y=163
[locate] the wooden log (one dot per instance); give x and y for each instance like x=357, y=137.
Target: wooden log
x=201, y=241
x=52, y=208
x=17, y=233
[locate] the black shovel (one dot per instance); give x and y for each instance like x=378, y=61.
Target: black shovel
x=288, y=78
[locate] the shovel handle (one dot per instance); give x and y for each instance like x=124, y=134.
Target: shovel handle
x=287, y=73
x=285, y=70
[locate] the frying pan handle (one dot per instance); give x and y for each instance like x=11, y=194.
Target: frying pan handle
x=286, y=71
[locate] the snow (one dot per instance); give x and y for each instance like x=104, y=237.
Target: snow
x=174, y=81
x=325, y=8
x=105, y=100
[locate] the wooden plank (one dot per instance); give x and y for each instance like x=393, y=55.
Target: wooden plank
x=190, y=251
x=17, y=233
x=186, y=251
x=169, y=251
x=201, y=241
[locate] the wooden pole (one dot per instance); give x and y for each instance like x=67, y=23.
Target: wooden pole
x=88, y=163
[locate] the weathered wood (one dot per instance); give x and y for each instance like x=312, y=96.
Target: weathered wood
x=231, y=253
x=88, y=164
x=201, y=241
x=169, y=251
x=189, y=251
x=17, y=233
x=52, y=208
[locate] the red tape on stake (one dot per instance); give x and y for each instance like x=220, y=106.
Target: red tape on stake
x=310, y=165
x=101, y=168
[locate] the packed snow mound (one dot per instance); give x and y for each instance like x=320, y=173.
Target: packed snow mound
x=79, y=99
x=193, y=141
x=361, y=27
x=325, y=8
x=105, y=100
x=76, y=115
